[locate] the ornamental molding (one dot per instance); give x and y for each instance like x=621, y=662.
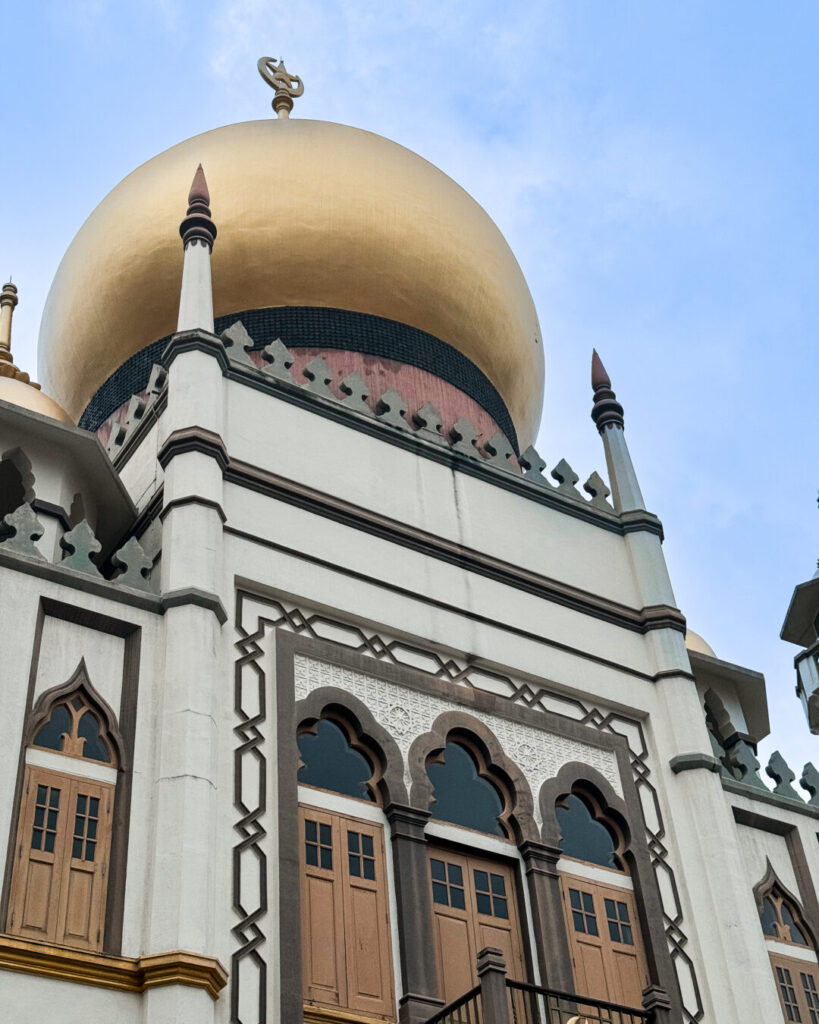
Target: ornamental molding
x=407, y=714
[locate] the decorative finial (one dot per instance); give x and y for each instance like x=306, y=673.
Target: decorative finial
x=287, y=87
x=606, y=410
x=198, y=225
x=8, y=300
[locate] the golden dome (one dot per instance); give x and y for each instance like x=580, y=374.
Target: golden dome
x=309, y=214
x=694, y=642
x=17, y=392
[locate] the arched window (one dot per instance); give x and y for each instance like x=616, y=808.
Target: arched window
x=328, y=761
x=60, y=869
x=598, y=901
x=16, y=481
x=345, y=933
x=462, y=795
x=791, y=950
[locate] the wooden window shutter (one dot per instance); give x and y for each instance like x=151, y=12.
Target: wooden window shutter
x=346, y=947
x=322, y=912
x=366, y=918
x=60, y=873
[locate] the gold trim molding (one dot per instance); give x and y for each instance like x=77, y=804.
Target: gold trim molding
x=125, y=974
x=331, y=1015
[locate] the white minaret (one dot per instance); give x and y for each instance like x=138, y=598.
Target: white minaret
x=607, y=414
x=198, y=235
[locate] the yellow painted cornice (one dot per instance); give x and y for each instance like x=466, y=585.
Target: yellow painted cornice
x=126, y=974
x=331, y=1015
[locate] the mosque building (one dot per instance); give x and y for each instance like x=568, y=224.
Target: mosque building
x=324, y=699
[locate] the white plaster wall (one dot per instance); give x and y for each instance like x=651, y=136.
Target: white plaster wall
x=757, y=848
x=141, y=474
x=62, y=647
x=31, y=999
x=344, y=462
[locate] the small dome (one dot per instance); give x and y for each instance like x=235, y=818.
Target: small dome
x=17, y=392
x=694, y=642
x=310, y=214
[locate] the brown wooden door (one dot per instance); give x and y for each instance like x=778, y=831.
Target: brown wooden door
x=474, y=902
x=605, y=941
x=346, y=948
x=797, y=982
x=61, y=859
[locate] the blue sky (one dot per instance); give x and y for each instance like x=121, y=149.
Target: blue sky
x=653, y=167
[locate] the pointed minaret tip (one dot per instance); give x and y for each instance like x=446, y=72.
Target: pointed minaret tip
x=606, y=410
x=199, y=189
x=198, y=224
x=599, y=377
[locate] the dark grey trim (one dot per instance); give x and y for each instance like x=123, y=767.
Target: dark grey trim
x=193, y=439
x=419, y=972
x=48, y=508
x=627, y=814
x=517, y=816
x=367, y=735
x=79, y=581
x=764, y=796
x=193, y=595
x=131, y=633
x=495, y=623
x=194, y=341
x=357, y=517
x=549, y=925
x=693, y=762
x=796, y=851
x=193, y=499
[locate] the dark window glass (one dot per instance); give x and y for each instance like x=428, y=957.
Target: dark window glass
x=447, y=883
x=768, y=918
x=361, y=855
x=51, y=734
x=811, y=996
x=583, y=912
x=783, y=976
x=318, y=845
x=583, y=837
x=12, y=491
x=46, y=810
x=484, y=903
x=794, y=930
x=89, y=730
x=329, y=762
x=461, y=796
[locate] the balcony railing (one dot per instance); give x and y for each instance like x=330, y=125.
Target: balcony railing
x=498, y=1000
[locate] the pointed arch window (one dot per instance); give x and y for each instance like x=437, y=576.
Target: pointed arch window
x=329, y=761
x=599, y=906
x=64, y=827
x=462, y=795
x=791, y=949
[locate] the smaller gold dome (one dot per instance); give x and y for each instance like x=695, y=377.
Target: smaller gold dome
x=16, y=392
x=694, y=642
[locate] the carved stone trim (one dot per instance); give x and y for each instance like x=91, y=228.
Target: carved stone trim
x=193, y=595
x=693, y=762
x=193, y=439
x=126, y=974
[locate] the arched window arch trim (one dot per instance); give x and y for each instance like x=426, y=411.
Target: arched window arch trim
x=78, y=685
x=364, y=735
x=605, y=805
x=771, y=886
x=516, y=817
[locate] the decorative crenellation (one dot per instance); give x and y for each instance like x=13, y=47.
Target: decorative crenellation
x=390, y=409
x=138, y=406
x=21, y=529
x=407, y=714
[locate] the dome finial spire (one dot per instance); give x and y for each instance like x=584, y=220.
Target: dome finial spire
x=287, y=87
x=8, y=300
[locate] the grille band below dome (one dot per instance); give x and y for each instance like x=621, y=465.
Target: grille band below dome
x=320, y=327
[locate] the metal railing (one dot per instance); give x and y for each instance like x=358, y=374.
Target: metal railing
x=466, y=1010
x=499, y=1000
x=530, y=1004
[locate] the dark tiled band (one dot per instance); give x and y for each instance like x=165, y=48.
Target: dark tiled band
x=317, y=327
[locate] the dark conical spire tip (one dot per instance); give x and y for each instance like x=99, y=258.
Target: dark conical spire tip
x=199, y=189
x=599, y=377
x=606, y=410
x=198, y=224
